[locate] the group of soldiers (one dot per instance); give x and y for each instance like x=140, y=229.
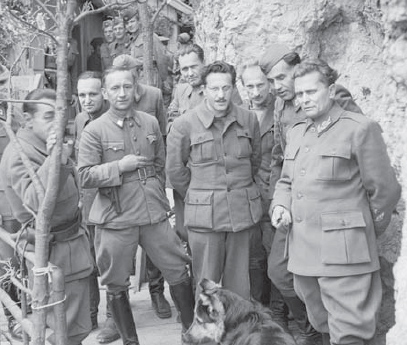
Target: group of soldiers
x=279, y=197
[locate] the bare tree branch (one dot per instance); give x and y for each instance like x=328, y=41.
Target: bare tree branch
x=33, y=27
x=46, y=10
x=113, y=6
x=157, y=12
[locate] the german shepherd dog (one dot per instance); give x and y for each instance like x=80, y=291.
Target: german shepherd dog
x=223, y=317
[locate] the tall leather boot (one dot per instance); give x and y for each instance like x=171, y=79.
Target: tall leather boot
x=278, y=307
x=156, y=287
x=109, y=332
x=256, y=276
x=307, y=334
x=184, y=300
x=94, y=298
x=120, y=308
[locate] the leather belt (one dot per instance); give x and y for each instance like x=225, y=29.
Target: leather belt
x=140, y=174
x=62, y=232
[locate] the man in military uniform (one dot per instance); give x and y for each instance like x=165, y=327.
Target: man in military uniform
x=186, y=97
x=121, y=43
x=8, y=223
x=214, y=153
x=122, y=154
x=109, y=37
x=136, y=46
x=261, y=101
x=278, y=63
x=336, y=194
x=69, y=245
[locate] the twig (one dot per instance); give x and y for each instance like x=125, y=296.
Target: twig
x=33, y=27
x=165, y=2
x=44, y=7
x=112, y=6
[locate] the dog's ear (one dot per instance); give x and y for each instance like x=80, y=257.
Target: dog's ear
x=209, y=287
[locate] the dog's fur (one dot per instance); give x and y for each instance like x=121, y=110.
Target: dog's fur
x=223, y=317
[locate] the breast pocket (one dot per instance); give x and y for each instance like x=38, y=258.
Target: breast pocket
x=113, y=150
x=244, y=139
x=289, y=159
x=344, y=238
x=203, y=148
x=335, y=163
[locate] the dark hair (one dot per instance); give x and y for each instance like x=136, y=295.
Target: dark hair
x=116, y=69
x=292, y=59
x=90, y=75
x=191, y=48
x=37, y=95
x=219, y=67
x=328, y=74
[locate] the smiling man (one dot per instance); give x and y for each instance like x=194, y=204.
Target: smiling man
x=122, y=155
x=213, y=155
x=336, y=194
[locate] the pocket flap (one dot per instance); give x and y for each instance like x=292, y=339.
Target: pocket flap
x=343, y=150
x=342, y=220
x=199, y=198
x=200, y=138
x=243, y=133
x=253, y=192
x=113, y=145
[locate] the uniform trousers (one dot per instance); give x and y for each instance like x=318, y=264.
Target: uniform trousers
x=345, y=307
x=77, y=314
x=116, y=249
x=222, y=257
x=277, y=265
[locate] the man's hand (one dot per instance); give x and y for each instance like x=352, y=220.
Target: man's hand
x=66, y=147
x=133, y=162
x=280, y=216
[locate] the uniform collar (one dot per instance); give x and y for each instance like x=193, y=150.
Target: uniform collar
x=206, y=116
x=119, y=121
x=28, y=136
x=197, y=89
x=334, y=114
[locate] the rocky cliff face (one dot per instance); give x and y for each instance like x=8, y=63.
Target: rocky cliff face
x=366, y=41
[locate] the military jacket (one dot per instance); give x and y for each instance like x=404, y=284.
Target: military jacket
x=104, y=142
x=73, y=254
x=212, y=162
x=341, y=191
x=286, y=114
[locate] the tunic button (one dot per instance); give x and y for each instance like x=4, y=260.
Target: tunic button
x=137, y=152
x=343, y=223
x=135, y=138
x=306, y=149
x=298, y=219
x=299, y=195
x=312, y=129
x=302, y=172
x=131, y=124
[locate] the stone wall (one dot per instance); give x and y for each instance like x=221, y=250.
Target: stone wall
x=366, y=41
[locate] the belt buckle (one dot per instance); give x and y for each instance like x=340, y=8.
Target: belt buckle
x=142, y=177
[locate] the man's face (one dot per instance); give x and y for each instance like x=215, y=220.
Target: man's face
x=313, y=95
x=132, y=25
x=191, y=68
x=109, y=34
x=119, y=90
x=218, y=91
x=41, y=122
x=90, y=95
x=256, y=85
x=281, y=79
x=119, y=31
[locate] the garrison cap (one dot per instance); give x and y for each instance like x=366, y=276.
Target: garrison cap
x=107, y=23
x=273, y=54
x=125, y=61
x=129, y=13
